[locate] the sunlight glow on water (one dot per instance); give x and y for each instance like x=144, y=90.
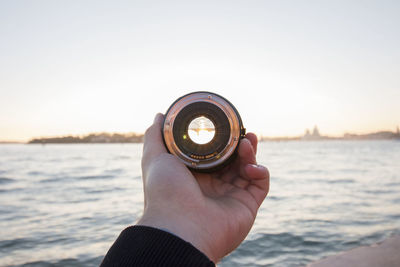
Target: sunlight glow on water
x=66, y=204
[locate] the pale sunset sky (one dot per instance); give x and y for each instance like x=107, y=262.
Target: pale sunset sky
x=76, y=67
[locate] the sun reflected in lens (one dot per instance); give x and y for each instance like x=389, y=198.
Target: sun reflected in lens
x=201, y=130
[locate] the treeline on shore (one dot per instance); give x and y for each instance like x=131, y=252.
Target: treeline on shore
x=91, y=138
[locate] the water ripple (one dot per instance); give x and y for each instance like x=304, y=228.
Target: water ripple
x=64, y=205
x=5, y=180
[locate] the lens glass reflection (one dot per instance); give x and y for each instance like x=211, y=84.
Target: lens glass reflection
x=201, y=130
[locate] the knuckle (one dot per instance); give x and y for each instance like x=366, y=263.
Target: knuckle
x=267, y=173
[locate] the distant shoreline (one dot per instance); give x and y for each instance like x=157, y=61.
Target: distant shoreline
x=271, y=140
x=117, y=138
x=316, y=136
x=98, y=138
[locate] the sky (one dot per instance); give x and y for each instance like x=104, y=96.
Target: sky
x=77, y=67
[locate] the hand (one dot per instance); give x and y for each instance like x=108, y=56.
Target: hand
x=214, y=212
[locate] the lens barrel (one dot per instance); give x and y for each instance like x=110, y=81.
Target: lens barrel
x=215, y=130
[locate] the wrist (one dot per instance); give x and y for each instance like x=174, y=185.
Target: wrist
x=182, y=228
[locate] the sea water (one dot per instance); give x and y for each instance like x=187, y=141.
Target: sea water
x=64, y=205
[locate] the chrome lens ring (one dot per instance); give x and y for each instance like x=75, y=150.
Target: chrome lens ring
x=203, y=156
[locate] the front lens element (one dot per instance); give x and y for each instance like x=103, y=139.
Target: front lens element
x=201, y=130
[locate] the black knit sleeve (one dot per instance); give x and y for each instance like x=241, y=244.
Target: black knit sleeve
x=147, y=246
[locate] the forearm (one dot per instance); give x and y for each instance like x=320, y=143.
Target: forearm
x=148, y=246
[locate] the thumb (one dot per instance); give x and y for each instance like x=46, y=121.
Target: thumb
x=153, y=140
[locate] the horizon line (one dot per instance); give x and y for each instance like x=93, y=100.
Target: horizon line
x=259, y=135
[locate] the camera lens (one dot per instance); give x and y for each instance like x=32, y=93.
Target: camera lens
x=203, y=130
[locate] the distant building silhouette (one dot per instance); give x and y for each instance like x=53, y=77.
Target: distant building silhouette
x=316, y=132
x=314, y=136
x=383, y=135
x=307, y=133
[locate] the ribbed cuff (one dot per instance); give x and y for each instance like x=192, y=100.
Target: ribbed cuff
x=147, y=246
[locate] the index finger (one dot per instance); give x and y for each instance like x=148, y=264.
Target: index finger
x=253, y=140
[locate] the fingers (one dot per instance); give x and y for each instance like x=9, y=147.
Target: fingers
x=259, y=188
x=256, y=172
x=253, y=140
x=246, y=152
x=246, y=156
x=257, y=176
x=153, y=141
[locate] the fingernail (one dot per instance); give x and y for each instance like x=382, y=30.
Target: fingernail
x=246, y=140
x=260, y=167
